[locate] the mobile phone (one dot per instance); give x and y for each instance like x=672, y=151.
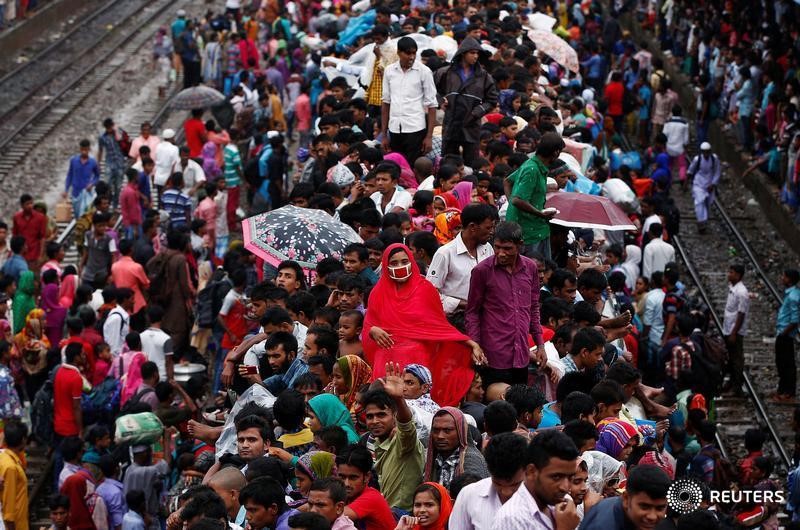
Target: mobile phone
x=252, y=370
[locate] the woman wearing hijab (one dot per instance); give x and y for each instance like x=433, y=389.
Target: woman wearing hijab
x=132, y=378
x=632, y=266
x=432, y=509
x=463, y=192
x=407, y=325
x=606, y=474
x=32, y=344
x=417, y=389
x=55, y=313
x=407, y=179
x=350, y=373
x=325, y=410
x=312, y=466
x=464, y=458
x=506, y=98
x=66, y=293
x=24, y=301
x=617, y=438
x=447, y=225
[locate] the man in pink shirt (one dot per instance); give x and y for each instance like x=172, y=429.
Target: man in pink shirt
x=207, y=211
x=130, y=207
x=127, y=273
x=144, y=138
x=302, y=113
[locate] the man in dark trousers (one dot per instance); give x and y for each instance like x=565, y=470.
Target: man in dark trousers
x=468, y=92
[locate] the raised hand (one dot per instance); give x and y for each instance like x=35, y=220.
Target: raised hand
x=393, y=380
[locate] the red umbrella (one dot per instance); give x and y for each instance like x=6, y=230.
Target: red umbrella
x=581, y=210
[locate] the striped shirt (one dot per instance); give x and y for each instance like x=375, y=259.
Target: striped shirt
x=233, y=165
x=178, y=205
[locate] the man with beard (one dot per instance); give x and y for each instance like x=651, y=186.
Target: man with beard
x=284, y=361
x=539, y=503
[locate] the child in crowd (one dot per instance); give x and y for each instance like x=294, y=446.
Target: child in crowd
x=350, y=324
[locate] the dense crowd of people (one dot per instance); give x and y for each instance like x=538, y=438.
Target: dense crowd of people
x=478, y=360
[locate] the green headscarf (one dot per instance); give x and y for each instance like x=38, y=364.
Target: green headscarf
x=331, y=411
x=24, y=301
x=317, y=464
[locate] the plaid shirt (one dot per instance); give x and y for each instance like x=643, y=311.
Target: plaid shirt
x=680, y=359
x=115, y=160
x=375, y=90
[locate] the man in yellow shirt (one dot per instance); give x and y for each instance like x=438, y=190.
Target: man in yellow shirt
x=14, y=492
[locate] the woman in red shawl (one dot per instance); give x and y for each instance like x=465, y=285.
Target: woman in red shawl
x=432, y=509
x=405, y=323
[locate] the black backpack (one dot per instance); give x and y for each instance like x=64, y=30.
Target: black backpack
x=42, y=411
x=673, y=217
x=135, y=405
x=209, y=300
x=706, y=373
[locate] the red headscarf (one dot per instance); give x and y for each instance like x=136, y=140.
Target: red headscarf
x=445, y=508
x=411, y=312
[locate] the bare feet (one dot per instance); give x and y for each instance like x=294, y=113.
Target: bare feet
x=203, y=432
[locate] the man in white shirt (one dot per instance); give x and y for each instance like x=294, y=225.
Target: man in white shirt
x=677, y=132
x=194, y=177
x=734, y=324
x=408, y=110
x=157, y=344
x=167, y=158
x=116, y=325
x=657, y=253
x=540, y=503
x=653, y=319
x=451, y=267
x=649, y=214
x=389, y=198
x=477, y=504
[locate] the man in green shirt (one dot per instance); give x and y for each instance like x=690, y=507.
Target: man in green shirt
x=399, y=457
x=526, y=189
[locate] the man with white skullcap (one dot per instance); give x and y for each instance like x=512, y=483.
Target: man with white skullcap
x=705, y=171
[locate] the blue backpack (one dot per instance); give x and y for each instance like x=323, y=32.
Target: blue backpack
x=101, y=405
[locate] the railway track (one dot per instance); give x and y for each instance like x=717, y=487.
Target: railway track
x=27, y=120
x=55, y=64
x=706, y=259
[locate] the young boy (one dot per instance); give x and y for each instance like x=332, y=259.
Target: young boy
x=350, y=325
x=59, y=512
x=131, y=207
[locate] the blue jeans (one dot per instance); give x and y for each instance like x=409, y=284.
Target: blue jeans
x=2, y=15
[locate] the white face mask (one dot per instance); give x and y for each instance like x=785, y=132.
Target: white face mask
x=400, y=273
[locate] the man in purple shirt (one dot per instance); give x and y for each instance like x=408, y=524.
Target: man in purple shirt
x=503, y=307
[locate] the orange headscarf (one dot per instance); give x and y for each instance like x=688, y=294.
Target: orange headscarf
x=445, y=508
x=445, y=225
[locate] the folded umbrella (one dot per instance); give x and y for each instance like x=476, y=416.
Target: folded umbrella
x=304, y=235
x=557, y=48
x=579, y=210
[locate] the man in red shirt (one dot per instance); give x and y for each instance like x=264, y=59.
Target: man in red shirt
x=614, y=94
x=31, y=225
x=67, y=389
x=195, y=132
x=365, y=505
x=74, y=330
